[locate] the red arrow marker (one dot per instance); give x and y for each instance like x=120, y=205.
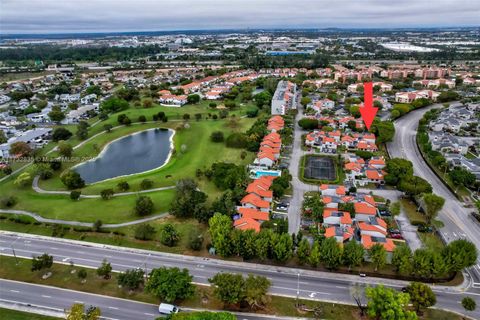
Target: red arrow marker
x=368, y=111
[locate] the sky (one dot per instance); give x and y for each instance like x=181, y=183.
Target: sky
x=67, y=16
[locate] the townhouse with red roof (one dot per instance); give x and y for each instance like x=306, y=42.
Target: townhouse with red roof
x=408, y=97
x=270, y=148
x=328, y=142
x=361, y=172
x=364, y=210
x=172, y=99
x=366, y=227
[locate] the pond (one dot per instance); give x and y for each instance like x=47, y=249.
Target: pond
x=135, y=153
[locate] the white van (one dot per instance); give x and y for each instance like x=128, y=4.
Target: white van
x=165, y=308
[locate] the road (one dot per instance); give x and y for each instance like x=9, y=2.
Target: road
x=310, y=284
x=457, y=221
x=295, y=207
x=21, y=295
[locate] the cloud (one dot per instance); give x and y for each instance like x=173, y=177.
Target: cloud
x=58, y=16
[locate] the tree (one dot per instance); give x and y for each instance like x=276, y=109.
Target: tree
x=143, y=206
x=72, y=180
x=146, y=184
x=357, y=292
x=142, y=119
x=131, y=279
x=56, y=115
x=107, y=127
x=170, y=284
x=107, y=194
x=77, y=312
x=3, y=137
x=82, y=130
x=303, y=251
x=308, y=124
x=193, y=99
x=144, y=232
x=65, y=149
x=228, y=287
x=384, y=130
x=330, y=253
x=123, y=186
x=387, y=304
x=195, y=240
x=217, y=136
x=188, y=201
x=378, y=255
x=44, y=261
x=21, y=149
x=147, y=103
x=82, y=273
x=352, y=254
x=397, y=169
x=402, y=259
x=114, y=104
x=97, y=225
x=105, y=269
x=23, y=180
x=433, y=204
x=462, y=176
x=256, y=289
x=282, y=249
x=314, y=258
x=414, y=186
x=469, y=304
x=421, y=295
x=75, y=195
x=252, y=112
x=61, y=134
x=459, y=254
x=220, y=227
x=168, y=235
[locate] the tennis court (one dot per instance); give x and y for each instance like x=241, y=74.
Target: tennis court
x=320, y=168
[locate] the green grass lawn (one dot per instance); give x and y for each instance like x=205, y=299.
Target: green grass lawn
x=123, y=236
x=200, y=153
x=20, y=315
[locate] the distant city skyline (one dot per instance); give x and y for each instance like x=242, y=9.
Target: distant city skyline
x=71, y=16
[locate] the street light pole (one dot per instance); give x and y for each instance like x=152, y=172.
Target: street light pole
x=15, y=255
x=298, y=287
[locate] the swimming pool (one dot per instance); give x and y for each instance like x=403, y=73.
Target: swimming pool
x=258, y=174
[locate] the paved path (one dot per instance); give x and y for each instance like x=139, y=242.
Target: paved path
x=37, y=189
x=82, y=224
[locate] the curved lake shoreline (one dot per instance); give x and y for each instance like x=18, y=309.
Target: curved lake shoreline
x=139, y=152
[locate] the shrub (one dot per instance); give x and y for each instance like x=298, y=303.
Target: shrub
x=169, y=236
x=107, y=194
x=237, y=140
x=146, y=184
x=217, y=136
x=8, y=202
x=123, y=186
x=75, y=195
x=144, y=232
x=143, y=206
x=72, y=180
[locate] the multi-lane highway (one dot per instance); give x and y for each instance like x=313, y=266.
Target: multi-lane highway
x=55, y=301
x=458, y=223
x=285, y=281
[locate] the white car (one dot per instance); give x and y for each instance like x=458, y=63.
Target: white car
x=165, y=308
